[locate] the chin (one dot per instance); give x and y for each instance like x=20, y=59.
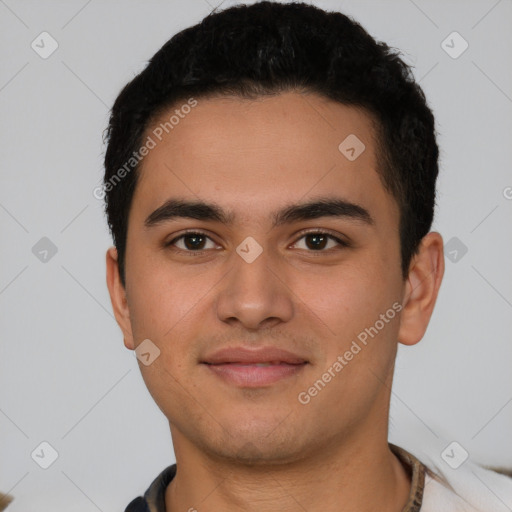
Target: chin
x=260, y=445
x=255, y=454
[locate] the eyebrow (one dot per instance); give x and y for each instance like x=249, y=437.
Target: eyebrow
x=199, y=210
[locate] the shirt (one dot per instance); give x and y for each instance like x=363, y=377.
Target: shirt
x=154, y=498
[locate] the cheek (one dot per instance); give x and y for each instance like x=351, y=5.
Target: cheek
x=168, y=307
x=341, y=294
x=158, y=297
x=349, y=299
x=159, y=306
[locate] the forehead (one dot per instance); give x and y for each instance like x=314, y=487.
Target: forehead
x=257, y=153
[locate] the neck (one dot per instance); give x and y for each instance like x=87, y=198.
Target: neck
x=360, y=474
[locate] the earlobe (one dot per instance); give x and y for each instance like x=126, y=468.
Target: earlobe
x=118, y=297
x=421, y=289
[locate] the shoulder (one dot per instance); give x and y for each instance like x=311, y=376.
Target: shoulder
x=469, y=488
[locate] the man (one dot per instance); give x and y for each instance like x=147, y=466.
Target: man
x=270, y=187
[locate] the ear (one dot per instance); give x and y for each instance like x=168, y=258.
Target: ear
x=421, y=288
x=118, y=297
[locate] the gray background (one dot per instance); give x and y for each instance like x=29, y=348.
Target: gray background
x=65, y=375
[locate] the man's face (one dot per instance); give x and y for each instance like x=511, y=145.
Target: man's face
x=305, y=293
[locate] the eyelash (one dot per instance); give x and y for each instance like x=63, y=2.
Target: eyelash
x=198, y=252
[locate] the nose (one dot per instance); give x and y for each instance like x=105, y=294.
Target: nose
x=254, y=294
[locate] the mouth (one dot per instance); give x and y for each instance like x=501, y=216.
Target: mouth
x=254, y=367
x=254, y=375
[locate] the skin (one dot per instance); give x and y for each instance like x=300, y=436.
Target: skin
x=261, y=449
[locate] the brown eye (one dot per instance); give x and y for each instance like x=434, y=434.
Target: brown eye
x=192, y=242
x=316, y=241
x=320, y=241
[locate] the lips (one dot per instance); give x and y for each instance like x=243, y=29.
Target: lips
x=261, y=356
x=256, y=367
